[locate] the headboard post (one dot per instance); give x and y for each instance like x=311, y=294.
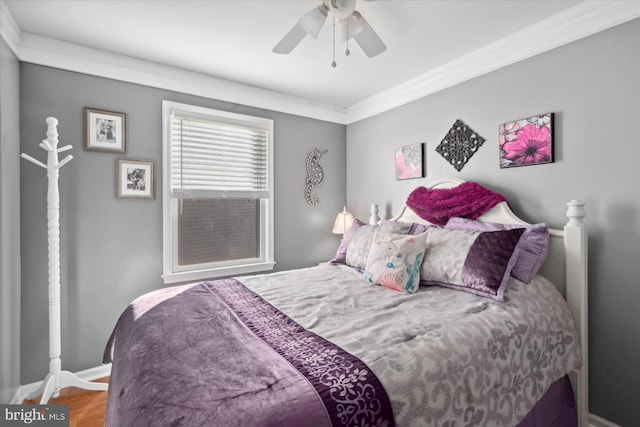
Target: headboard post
x=575, y=241
x=374, y=218
x=575, y=213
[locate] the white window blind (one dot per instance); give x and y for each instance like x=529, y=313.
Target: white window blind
x=217, y=159
x=218, y=194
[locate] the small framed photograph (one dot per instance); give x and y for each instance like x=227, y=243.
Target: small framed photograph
x=526, y=142
x=135, y=179
x=409, y=161
x=105, y=131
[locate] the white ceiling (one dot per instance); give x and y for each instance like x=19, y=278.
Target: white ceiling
x=233, y=39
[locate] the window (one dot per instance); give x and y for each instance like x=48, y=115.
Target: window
x=217, y=193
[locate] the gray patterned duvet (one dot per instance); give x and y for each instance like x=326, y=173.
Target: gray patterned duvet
x=445, y=357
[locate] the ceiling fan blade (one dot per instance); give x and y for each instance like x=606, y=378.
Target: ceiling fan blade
x=290, y=40
x=367, y=39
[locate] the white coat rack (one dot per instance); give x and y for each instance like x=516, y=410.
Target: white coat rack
x=57, y=379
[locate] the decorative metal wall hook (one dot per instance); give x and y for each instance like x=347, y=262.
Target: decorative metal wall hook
x=315, y=175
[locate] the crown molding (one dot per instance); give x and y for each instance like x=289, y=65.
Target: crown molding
x=68, y=56
x=579, y=21
x=582, y=20
x=72, y=57
x=9, y=28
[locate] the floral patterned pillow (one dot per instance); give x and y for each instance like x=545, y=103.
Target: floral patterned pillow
x=359, y=246
x=394, y=261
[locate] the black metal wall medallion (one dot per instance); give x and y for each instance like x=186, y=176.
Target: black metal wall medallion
x=460, y=143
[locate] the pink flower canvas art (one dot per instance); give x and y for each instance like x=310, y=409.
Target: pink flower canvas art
x=409, y=161
x=527, y=141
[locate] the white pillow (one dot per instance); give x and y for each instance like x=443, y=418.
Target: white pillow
x=394, y=260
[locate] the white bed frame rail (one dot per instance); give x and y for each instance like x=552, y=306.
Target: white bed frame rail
x=565, y=267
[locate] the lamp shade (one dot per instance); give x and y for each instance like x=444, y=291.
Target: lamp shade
x=312, y=22
x=344, y=221
x=350, y=27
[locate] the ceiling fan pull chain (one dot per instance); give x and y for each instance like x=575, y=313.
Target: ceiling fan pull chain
x=333, y=64
x=347, y=52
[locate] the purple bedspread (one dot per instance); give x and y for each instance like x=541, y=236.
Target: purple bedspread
x=217, y=354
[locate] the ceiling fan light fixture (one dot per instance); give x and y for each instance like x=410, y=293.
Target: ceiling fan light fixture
x=356, y=24
x=349, y=28
x=313, y=21
x=341, y=9
x=351, y=23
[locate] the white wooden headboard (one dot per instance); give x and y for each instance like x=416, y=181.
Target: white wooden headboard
x=565, y=267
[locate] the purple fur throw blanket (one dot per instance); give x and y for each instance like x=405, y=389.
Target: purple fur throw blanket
x=467, y=200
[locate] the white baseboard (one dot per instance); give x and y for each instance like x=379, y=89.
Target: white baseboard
x=88, y=375
x=596, y=421
x=105, y=370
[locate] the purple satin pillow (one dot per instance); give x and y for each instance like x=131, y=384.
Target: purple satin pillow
x=418, y=228
x=341, y=253
x=533, y=245
x=478, y=262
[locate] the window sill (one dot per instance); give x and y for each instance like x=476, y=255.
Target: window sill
x=213, y=273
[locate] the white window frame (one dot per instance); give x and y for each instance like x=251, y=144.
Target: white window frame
x=172, y=273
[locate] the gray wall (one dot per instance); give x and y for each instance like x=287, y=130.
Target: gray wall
x=592, y=86
x=111, y=249
x=9, y=224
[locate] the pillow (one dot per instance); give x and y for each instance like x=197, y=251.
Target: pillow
x=359, y=245
x=394, y=261
x=354, y=248
x=471, y=261
x=418, y=228
x=403, y=227
x=533, y=246
x=395, y=227
x=341, y=253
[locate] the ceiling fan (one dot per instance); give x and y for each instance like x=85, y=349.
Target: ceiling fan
x=351, y=23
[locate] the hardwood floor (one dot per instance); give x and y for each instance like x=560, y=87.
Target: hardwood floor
x=86, y=408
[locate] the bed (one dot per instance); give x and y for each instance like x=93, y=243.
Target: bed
x=320, y=346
